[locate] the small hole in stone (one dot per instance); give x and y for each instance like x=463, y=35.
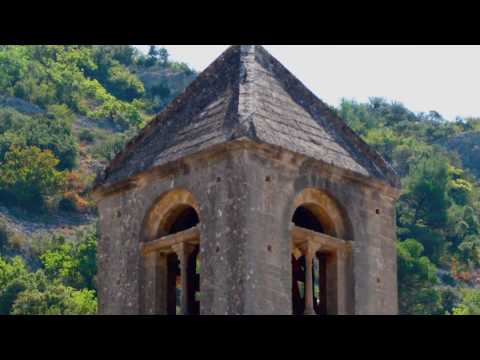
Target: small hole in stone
x=219, y=179
x=377, y=211
x=378, y=281
x=268, y=179
x=217, y=250
x=269, y=248
x=119, y=214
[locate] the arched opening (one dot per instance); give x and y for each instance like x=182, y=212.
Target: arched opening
x=172, y=247
x=318, y=250
x=181, y=219
x=307, y=217
x=172, y=212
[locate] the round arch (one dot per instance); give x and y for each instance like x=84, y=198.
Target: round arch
x=328, y=212
x=165, y=211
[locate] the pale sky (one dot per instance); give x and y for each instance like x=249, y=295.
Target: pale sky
x=424, y=78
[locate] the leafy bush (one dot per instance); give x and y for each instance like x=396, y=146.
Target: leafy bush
x=73, y=263
x=86, y=136
x=63, y=286
x=49, y=131
x=417, y=280
x=470, y=304
x=56, y=299
x=14, y=278
x=30, y=176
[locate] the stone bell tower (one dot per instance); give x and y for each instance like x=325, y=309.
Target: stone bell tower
x=247, y=195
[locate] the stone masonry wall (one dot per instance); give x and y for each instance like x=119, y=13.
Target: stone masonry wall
x=273, y=186
x=221, y=192
x=245, y=203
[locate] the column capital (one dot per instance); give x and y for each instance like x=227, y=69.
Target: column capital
x=309, y=248
x=183, y=249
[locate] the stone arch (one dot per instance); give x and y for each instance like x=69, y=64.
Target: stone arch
x=321, y=252
x=170, y=247
x=165, y=210
x=327, y=210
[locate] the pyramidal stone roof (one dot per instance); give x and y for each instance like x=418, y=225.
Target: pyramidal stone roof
x=247, y=93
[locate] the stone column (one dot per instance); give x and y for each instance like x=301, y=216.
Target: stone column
x=183, y=252
x=309, y=252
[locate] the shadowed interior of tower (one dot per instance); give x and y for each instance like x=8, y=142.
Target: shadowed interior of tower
x=187, y=218
x=182, y=219
x=174, y=285
x=304, y=218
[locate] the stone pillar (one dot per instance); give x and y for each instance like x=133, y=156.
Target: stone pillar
x=309, y=252
x=183, y=252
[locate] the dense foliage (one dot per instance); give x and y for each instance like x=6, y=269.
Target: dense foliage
x=29, y=176
x=78, y=76
x=63, y=285
x=51, y=130
x=92, y=80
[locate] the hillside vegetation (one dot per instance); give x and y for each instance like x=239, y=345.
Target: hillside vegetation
x=66, y=110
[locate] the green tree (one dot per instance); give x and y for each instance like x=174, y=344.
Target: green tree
x=15, y=278
x=470, y=304
x=423, y=206
x=73, y=263
x=49, y=131
x=30, y=175
x=56, y=299
x=417, y=280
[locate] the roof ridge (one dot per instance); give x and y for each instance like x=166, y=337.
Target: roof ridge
x=246, y=93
